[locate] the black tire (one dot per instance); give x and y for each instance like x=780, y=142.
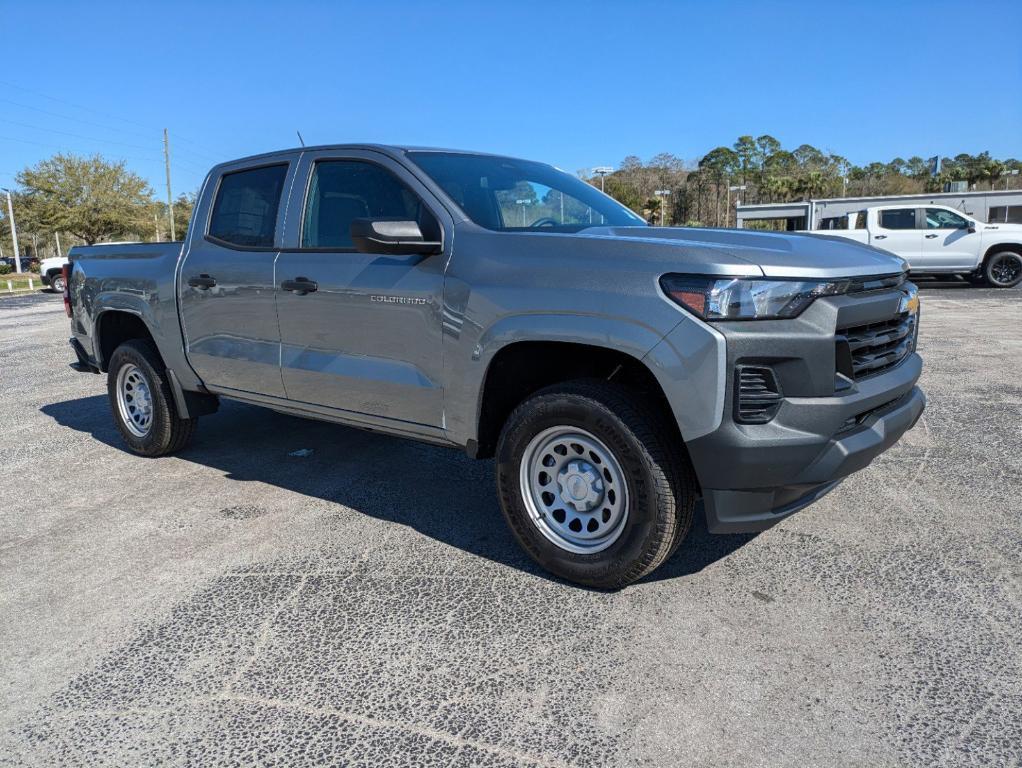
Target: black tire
x=1003, y=269
x=167, y=432
x=660, y=481
x=57, y=283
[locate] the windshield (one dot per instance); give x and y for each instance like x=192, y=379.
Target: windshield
x=514, y=195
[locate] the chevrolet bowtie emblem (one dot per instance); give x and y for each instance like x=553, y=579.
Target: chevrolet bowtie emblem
x=910, y=301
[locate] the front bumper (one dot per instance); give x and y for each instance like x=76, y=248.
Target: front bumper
x=753, y=475
x=810, y=466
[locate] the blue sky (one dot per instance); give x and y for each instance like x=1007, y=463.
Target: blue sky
x=573, y=83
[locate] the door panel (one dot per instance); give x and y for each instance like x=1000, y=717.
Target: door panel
x=947, y=242
x=368, y=338
x=898, y=234
x=227, y=285
x=231, y=334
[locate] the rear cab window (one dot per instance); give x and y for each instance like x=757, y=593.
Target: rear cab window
x=245, y=209
x=898, y=218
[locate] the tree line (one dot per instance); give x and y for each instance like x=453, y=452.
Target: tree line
x=705, y=193
x=87, y=200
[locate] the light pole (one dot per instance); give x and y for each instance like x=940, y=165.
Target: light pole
x=602, y=171
x=735, y=188
x=14, y=231
x=663, y=194
x=523, y=202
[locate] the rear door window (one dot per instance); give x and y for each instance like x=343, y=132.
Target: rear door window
x=245, y=209
x=898, y=218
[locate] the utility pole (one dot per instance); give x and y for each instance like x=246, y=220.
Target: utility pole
x=14, y=231
x=170, y=199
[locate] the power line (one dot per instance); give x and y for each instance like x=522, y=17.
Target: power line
x=78, y=120
x=104, y=114
x=73, y=135
x=58, y=147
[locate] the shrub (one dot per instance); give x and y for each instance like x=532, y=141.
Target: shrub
x=6, y=269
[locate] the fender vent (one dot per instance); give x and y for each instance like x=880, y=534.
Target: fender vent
x=757, y=396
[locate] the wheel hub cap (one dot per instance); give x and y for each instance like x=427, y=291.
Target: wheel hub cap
x=134, y=400
x=574, y=489
x=580, y=486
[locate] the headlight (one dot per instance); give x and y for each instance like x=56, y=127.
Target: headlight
x=747, y=298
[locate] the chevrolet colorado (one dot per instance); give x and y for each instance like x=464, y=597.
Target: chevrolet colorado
x=619, y=373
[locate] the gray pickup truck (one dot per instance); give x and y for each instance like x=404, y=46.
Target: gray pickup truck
x=619, y=373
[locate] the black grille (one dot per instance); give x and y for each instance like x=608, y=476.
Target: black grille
x=875, y=283
x=868, y=350
x=757, y=396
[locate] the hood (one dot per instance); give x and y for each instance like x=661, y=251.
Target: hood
x=774, y=254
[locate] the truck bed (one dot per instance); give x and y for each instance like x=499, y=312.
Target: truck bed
x=138, y=278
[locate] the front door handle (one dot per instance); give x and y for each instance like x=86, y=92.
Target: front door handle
x=930, y=237
x=880, y=237
x=202, y=281
x=300, y=285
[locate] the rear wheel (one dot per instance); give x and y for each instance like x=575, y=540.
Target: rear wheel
x=143, y=405
x=1003, y=269
x=590, y=484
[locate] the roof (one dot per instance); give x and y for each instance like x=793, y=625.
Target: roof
x=391, y=149
x=875, y=199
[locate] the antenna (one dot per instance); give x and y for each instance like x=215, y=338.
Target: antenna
x=300, y=138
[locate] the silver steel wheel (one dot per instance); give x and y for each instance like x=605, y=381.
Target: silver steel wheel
x=134, y=400
x=574, y=489
x=57, y=283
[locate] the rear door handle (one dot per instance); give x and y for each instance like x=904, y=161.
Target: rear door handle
x=202, y=281
x=300, y=285
x=930, y=237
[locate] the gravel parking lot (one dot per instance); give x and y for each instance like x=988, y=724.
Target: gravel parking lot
x=364, y=604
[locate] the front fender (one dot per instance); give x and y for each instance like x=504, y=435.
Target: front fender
x=467, y=370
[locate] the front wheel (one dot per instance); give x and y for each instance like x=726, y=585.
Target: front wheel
x=591, y=486
x=143, y=405
x=57, y=283
x=1003, y=269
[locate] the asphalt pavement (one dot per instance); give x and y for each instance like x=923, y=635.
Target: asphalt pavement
x=286, y=592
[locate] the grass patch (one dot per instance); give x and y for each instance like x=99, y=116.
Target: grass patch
x=20, y=282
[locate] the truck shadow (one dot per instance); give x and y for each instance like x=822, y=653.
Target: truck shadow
x=439, y=492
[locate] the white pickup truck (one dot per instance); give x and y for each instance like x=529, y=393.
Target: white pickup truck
x=935, y=239
x=52, y=272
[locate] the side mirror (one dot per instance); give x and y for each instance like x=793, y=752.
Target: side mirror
x=971, y=226
x=394, y=237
